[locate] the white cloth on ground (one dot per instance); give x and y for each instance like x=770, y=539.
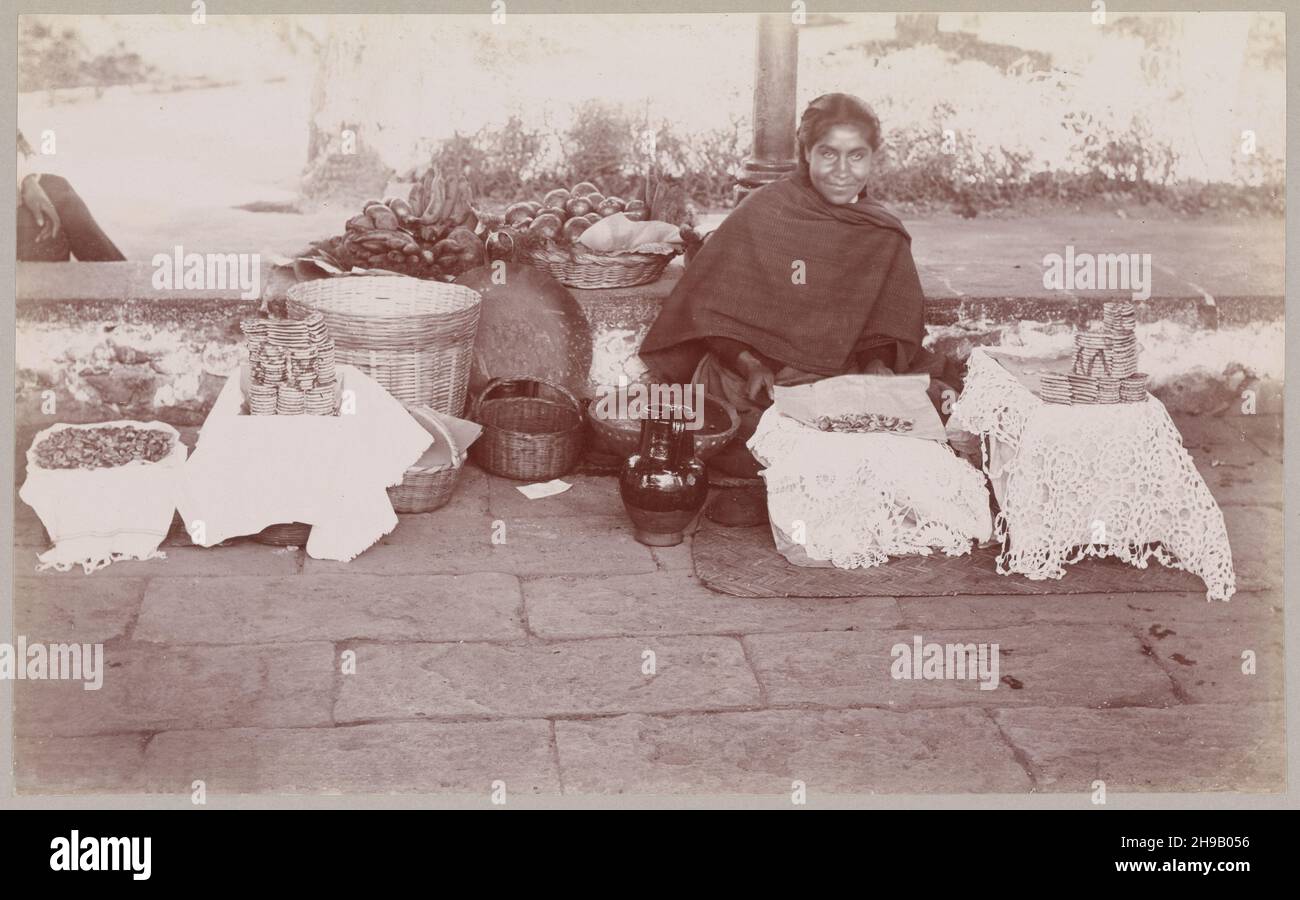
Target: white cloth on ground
x=331, y=472
x=97, y=516
x=854, y=500
x=1091, y=480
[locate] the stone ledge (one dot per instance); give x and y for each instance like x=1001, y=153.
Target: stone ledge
x=110, y=346
x=51, y=292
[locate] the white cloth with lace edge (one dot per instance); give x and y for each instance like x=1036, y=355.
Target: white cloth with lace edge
x=1095, y=480
x=854, y=500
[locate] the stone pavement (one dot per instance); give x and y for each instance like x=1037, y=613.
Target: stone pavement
x=526, y=663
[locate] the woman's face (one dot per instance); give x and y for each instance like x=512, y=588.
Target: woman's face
x=840, y=163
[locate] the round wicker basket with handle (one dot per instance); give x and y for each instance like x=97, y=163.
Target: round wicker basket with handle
x=424, y=490
x=532, y=433
x=414, y=337
x=590, y=270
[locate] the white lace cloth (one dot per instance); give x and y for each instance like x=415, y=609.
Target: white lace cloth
x=1079, y=481
x=854, y=500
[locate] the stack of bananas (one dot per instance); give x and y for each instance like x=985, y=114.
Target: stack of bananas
x=431, y=235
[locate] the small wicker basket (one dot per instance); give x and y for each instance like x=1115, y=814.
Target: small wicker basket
x=591, y=270
x=422, y=490
x=414, y=337
x=527, y=436
x=287, y=534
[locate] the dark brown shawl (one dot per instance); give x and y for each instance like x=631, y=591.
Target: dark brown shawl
x=861, y=286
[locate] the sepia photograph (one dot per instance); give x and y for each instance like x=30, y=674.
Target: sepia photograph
x=787, y=407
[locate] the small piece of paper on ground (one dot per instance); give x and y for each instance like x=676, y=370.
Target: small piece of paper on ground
x=543, y=489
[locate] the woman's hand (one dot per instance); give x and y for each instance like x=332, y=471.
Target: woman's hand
x=759, y=379
x=36, y=201
x=876, y=367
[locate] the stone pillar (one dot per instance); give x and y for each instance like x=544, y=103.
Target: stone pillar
x=776, y=72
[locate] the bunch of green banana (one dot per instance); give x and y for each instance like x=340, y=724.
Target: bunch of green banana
x=442, y=204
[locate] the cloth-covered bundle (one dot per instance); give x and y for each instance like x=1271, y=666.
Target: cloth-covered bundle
x=95, y=516
x=854, y=500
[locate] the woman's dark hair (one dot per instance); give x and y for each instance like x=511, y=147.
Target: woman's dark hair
x=830, y=110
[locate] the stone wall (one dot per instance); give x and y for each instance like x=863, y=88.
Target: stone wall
x=96, y=341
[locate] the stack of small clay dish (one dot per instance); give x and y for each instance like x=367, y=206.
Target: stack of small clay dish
x=1107, y=389
x=290, y=401
x=1119, y=321
x=1083, y=388
x=320, y=401
x=1090, y=353
x=1134, y=388
x=1054, y=387
x=262, y=399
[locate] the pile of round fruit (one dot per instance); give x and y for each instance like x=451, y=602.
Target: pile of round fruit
x=563, y=215
x=102, y=448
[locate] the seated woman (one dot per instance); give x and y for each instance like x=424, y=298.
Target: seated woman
x=807, y=278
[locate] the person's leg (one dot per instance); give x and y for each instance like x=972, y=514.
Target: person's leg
x=86, y=239
x=737, y=506
x=52, y=249
x=721, y=383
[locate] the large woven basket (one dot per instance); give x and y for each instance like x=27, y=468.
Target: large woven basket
x=423, y=491
x=534, y=433
x=598, y=270
x=414, y=337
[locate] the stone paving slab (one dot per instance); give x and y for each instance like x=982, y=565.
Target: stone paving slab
x=1266, y=433
x=1066, y=665
x=833, y=751
x=675, y=559
x=1204, y=654
x=244, y=558
x=675, y=602
x=1255, y=535
x=1196, y=747
x=402, y=681
x=93, y=610
x=148, y=688
x=1136, y=608
x=456, y=543
x=472, y=492
x=254, y=609
x=82, y=764
x=1253, y=483
x=591, y=495
x=464, y=757
x=1227, y=436
x=28, y=530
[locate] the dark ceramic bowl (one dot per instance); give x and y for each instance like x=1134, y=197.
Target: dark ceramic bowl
x=622, y=436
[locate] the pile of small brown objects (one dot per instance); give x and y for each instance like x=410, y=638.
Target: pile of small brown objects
x=105, y=447
x=859, y=423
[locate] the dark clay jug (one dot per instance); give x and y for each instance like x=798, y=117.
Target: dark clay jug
x=663, y=485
